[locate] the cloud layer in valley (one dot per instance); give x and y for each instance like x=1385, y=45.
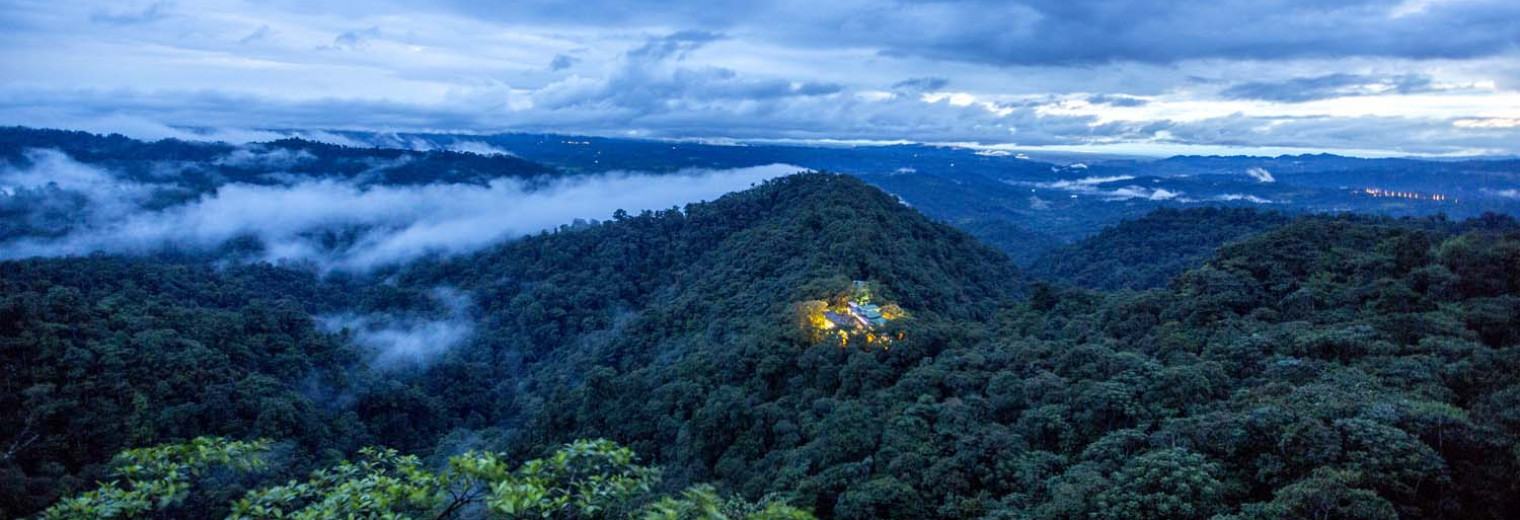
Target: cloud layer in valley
x=338, y=223
x=402, y=341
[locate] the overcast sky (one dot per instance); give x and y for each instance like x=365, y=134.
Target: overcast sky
x=1366, y=77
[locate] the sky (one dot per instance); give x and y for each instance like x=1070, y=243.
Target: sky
x=1358, y=77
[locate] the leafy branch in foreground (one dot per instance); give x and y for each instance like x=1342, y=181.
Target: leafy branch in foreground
x=158, y=477
x=701, y=502
x=586, y=479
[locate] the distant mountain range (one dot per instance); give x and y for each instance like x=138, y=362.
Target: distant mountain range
x=1024, y=207
x=1027, y=207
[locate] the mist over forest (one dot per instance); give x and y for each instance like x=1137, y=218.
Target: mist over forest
x=765, y=260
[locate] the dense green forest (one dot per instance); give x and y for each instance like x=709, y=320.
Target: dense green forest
x=1310, y=367
x=1147, y=252
x=582, y=479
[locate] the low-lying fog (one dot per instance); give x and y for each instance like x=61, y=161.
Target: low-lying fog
x=333, y=222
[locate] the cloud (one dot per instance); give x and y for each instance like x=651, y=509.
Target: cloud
x=1068, y=33
x=355, y=39
x=675, y=45
x=408, y=340
x=1232, y=197
x=132, y=16
x=646, y=81
x=562, y=62
x=94, y=116
x=1085, y=184
x=1260, y=174
x=340, y=224
x=478, y=148
x=1061, y=32
x=1093, y=186
x=260, y=34
x=1117, y=100
x=920, y=85
x=780, y=70
x=688, y=104
x=1138, y=192
x=1488, y=122
x=1298, y=90
x=257, y=157
x=55, y=194
x=1354, y=135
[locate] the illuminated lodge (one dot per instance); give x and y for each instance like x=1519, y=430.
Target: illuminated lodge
x=860, y=316
x=851, y=316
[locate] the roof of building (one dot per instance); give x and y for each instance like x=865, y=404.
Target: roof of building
x=839, y=319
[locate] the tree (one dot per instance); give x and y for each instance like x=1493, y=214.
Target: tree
x=1327, y=495
x=1171, y=484
x=157, y=478
x=702, y=502
x=583, y=480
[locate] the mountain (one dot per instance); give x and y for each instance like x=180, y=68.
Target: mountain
x=199, y=166
x=104, y=353
x=1147, y=252
x=53, y=183
x=180, y=349
x=1332, y=360
x=1028, y=207
x=817, y=340
x=1024, y=207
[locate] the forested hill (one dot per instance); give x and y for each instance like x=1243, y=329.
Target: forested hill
x=1337, y=366
x=127, y=352
x=1150, y=251
x=1146, y=252
x=770, y=245
x=1332, y=367
x=642, y=327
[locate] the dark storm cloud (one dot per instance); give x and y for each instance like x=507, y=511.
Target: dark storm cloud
x=649, y=84
x=1064, y=32
x=1067, y=32
x=1329, y=86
